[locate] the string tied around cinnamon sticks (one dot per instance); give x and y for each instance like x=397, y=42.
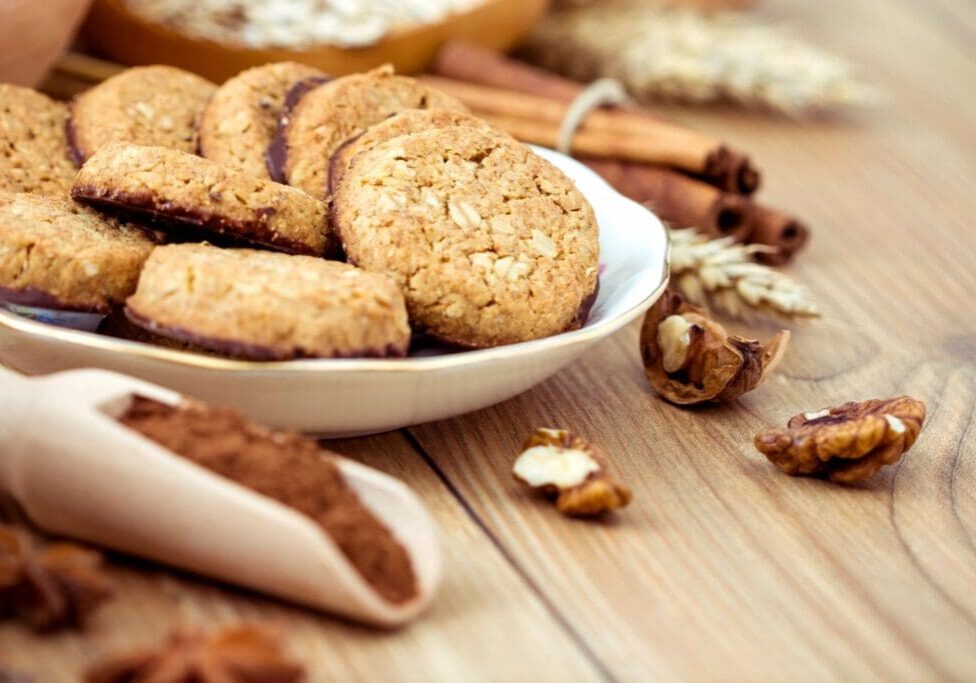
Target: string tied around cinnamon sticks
x=600, y=92
x=686, y=177
x=531, y=103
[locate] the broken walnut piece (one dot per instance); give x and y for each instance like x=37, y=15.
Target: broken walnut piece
x=53, y=587
x=560, y=464
x=689, y=358
x=846, y=444
x=240, y=654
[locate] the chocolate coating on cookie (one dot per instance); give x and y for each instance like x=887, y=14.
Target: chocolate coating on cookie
x=30, y=296
x=56, y=254
x=452, y=344
x=266, y=306
x=324, y=117
x=275, y=154
x=185, y=339
x=240, y=120
x=583, y=314
x=177, y=190
x=74, y=152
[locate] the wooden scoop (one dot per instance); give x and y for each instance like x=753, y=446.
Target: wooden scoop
x=78, y=472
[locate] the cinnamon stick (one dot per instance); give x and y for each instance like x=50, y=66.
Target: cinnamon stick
x=678, y=199
x=618, y=133
x=686, y=202
x=680, y=147
x=474, y=64
x=777, y=229
x=588, y=141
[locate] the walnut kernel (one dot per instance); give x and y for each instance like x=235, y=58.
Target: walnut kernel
x=846, y=444
x=563, y=466
x=689, y=358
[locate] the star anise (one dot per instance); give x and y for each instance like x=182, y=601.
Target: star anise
x=52, y=587
x=241, y=654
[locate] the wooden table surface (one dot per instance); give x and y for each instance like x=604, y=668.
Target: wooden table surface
x=722, y=568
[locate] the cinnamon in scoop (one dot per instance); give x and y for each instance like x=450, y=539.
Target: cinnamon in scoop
x=289, y=468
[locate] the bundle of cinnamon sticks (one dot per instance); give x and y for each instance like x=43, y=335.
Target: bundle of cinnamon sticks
x=688, y=178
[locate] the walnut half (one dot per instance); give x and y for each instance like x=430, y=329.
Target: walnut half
x=689, y=358
x=560, y=464
x=846, y=444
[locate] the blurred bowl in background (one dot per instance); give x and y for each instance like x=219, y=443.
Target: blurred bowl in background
x=34, y=34
x=117, y=33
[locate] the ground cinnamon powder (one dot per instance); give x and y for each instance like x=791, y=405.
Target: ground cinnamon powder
x=285, y=466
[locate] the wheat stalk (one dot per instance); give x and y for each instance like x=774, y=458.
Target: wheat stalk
x=692, y=56
x=723, y=273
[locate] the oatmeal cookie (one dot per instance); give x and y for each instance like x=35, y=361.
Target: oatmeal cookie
x=265, y=306
x=324, y=117
x=240, y=120
x=181, y=191
x=490, y=243
x=404, y=123
x=33, y=148
x=116, y=324
x=146, y=105
x=56, y=254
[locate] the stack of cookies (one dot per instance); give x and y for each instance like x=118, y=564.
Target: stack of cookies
x=217, y=218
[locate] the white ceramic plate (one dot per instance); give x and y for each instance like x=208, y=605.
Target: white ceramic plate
x=339, y=397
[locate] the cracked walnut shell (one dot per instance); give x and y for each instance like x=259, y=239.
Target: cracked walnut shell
x=846, y=444
x=689, y=358
x=560, y=464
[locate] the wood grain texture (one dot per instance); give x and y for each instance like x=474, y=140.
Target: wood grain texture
x=722, y=568
x=484, y=608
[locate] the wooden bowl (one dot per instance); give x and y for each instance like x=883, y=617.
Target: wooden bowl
x=34, y=34
x=117, y=33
